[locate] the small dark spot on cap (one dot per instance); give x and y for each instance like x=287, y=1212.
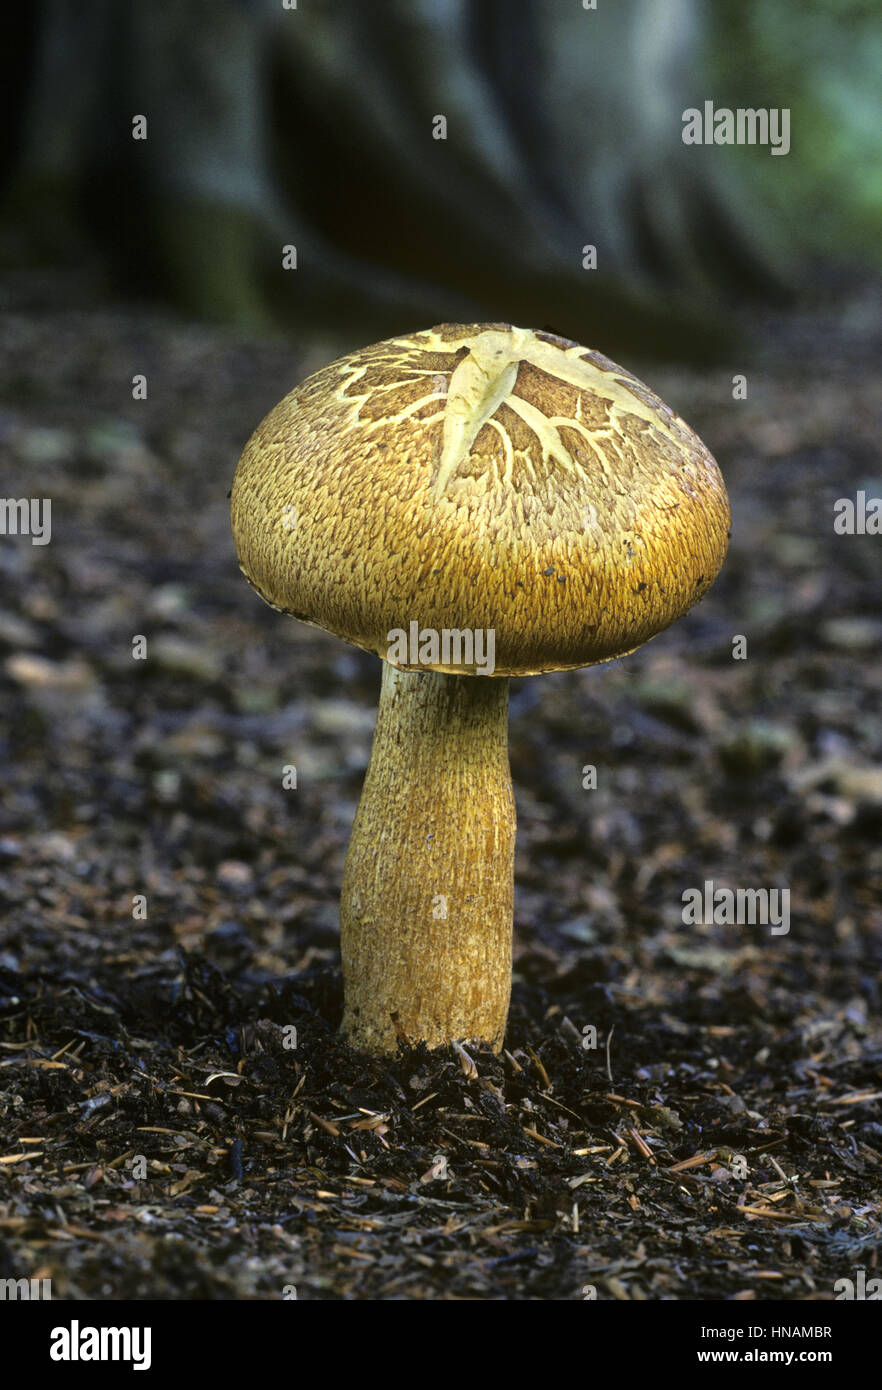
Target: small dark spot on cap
x=561, y=579
x=550, y=570
x=640, y=587
x=519, y=584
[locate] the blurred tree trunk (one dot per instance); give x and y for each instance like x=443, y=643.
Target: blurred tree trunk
x=313, y=127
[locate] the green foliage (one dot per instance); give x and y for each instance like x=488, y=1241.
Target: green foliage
x=823, y=60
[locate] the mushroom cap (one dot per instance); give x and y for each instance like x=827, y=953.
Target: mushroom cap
x=480, y=477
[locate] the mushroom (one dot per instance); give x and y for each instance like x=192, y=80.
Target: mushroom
x=542, y=508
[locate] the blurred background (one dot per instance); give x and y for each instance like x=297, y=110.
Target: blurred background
x=148, y=324
x=313, y=127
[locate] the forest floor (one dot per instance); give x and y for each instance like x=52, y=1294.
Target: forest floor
x=163, y=1138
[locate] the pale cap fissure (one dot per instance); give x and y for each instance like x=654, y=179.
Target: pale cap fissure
x=481, y=476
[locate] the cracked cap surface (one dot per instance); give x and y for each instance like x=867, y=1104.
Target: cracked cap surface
x=481, y=476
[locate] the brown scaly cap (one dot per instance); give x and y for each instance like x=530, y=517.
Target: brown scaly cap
x=481, y=476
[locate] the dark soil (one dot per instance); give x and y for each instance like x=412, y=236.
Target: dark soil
x=179, y=1118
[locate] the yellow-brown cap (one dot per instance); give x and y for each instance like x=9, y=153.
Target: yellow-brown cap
x=481, y=477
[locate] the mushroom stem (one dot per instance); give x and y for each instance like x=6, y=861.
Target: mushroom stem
x=426, y=906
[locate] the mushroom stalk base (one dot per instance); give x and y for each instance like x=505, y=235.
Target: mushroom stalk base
x=428, y=887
